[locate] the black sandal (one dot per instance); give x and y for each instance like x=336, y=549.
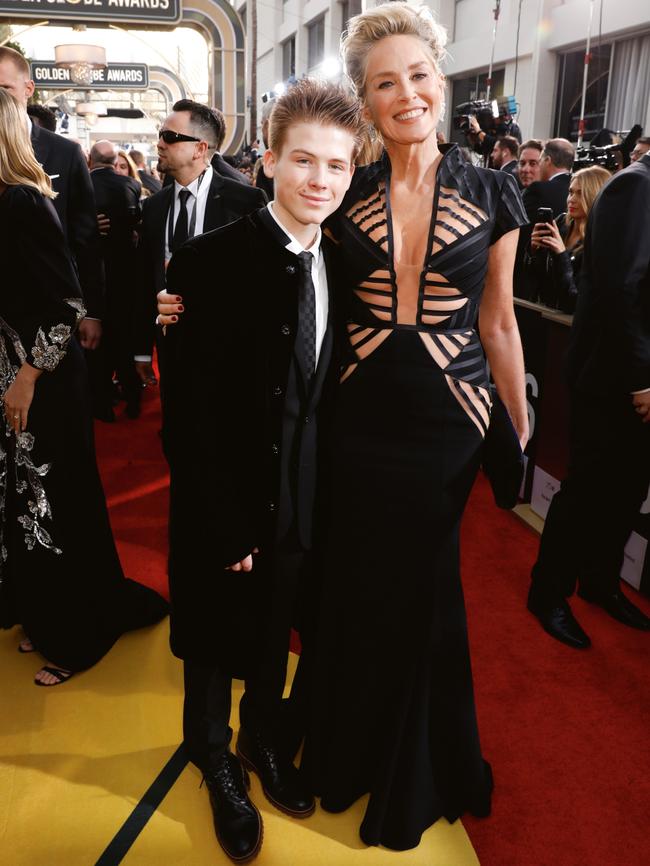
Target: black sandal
x=25, y=651
x=61, y=676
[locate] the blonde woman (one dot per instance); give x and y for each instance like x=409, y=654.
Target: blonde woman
x=564, y=239
x=127, y=168
x=60, y=577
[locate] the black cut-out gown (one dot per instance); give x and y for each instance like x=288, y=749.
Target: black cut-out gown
x=394, y=709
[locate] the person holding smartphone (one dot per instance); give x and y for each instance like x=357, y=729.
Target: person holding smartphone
x=556, y=246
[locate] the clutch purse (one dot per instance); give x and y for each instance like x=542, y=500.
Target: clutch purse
x=503, y=459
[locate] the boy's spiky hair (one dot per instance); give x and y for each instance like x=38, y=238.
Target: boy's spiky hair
x=315, y=101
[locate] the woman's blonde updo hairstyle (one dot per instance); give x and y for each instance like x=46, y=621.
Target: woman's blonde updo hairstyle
x=390, y=19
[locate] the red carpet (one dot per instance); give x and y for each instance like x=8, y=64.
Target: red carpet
x=566, y=732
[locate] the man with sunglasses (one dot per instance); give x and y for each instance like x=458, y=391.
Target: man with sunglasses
x=198, y=201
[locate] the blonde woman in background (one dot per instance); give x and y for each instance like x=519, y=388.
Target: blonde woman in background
x=60, y=576
x=564, y=239
x=126, y=167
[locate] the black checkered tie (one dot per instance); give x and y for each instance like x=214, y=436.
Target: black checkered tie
x=181, y=229
x=307, y=312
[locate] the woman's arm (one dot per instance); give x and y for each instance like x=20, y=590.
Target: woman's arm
x=500, y=334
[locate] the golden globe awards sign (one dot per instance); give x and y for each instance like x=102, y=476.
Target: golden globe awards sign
x=137, y=11
x=116, y=76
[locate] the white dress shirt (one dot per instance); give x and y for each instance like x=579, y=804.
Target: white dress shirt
x=199, y=189
x=318, y=275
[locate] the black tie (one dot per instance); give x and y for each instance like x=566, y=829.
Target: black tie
x=181, y=228
x=307, y=313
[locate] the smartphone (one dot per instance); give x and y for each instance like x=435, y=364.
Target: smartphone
x=544, y=215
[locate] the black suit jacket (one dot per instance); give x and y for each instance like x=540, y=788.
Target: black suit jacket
x=243, y=461
x=542, y=193
x=149, y=181
x=227, y=201
x=609, y=351
x=546, y=193
x=119, y=198
x=511, y=168
x=75, y=206
x=219, y=164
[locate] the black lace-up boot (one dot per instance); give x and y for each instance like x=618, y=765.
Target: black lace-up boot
x=237, y=822
x=281, y=782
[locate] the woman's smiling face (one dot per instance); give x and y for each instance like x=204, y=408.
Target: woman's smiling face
x=403, y=90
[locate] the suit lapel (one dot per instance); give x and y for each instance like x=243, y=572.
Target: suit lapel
x=159, y=208
x=325, y=355
x=39, y=143
x=214, y=211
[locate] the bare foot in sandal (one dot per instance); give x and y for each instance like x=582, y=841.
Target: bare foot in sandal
x=26, y=646
x=51, y=676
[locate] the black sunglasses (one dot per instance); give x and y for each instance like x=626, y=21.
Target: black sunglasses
x=170, y=137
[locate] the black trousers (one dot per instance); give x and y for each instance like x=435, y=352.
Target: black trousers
x=114, y=354
x=593, y=513
x=208, y=689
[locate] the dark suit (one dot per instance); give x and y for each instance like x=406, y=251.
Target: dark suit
x=591, y=516
x=227, y=201
x=149, y=182
x=243, y=467
x=119, y=198
x=511, y=168
x=542, y=193
x=220, y=165
x=547, y=193
x=75, y=205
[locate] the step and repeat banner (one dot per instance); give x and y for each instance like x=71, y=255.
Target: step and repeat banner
x=545, y=338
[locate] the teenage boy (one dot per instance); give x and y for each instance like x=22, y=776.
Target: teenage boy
x=245, y=394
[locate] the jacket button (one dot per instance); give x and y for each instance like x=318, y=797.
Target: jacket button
x=275, y=449
x=286, y=330
x=306, y=419
x=291, y=269
x=277, y=391
x=271, y=506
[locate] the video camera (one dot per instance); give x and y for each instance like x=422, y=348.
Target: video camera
x=487, y=114
x=609, y=156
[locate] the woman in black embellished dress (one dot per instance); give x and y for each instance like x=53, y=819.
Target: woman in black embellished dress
x=428, y=244
x=60, y=576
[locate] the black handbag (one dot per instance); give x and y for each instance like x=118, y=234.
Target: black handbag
x=503, y=459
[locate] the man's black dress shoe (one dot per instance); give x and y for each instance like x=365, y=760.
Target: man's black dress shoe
x=281, y=782
x=618, y=606
x=559, y=622
x=237, y=822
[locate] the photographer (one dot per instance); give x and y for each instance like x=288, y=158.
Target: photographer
x=484, y=129
x=562, y=240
